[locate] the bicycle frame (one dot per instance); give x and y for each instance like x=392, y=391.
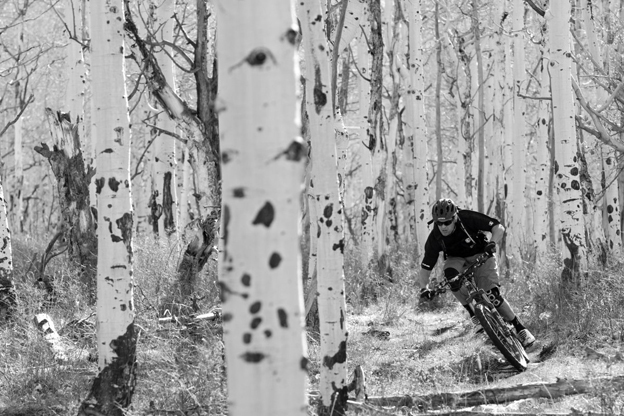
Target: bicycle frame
x=479, y=297
x=475, y=294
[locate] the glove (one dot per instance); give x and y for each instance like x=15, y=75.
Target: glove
x=490, y=248
x=427, y=294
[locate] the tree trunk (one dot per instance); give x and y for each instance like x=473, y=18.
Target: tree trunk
x=200, y=130
x=8, y=299
x=327, y=226
x=480, y=120
x=113, y=388
x=570, y=223
x=415, y=148
x=499, y=101
x=516, y=218
x=438, y=107
x=259, y=273
x=364, y=92
x=376, y=139
x=73, y=179
x=163, y=202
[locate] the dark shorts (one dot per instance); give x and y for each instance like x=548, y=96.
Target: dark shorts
x=486, y=276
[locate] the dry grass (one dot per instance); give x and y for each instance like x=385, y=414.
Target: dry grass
x=404, y=348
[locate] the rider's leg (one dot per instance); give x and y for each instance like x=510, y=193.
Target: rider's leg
x=452, y=266
x=451, y=269
x=486, y=278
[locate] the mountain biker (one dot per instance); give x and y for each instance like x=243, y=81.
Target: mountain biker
x=461, y=236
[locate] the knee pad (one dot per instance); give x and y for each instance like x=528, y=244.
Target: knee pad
x=449, y=274
x=495, y=297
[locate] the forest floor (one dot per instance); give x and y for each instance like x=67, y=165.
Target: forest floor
x=403, y=350
x=417, y=351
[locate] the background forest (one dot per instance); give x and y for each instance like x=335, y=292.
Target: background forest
x=512, y=108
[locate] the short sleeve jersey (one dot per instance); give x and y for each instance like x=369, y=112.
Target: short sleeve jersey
x=464, y=241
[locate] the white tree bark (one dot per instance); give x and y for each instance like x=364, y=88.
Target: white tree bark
x=77, y=77
x=610, y=203
x=184, y=187
x=364, y=92
x=500, y=93
x=516, y=186
x=7, y=287
x=480, y=119
x=507, y=121
x=570, y=222
x=541, y=219
x=459, y=149
x=17, y=208
x=415, y=148
x=113, y=388
x=164, y=198
x=260, y=274
x=327, y=227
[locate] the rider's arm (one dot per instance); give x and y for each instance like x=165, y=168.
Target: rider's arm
x=498, y=231
x=423, y=278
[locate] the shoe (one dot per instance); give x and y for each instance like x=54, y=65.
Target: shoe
x=476, y=325
x=526, y=338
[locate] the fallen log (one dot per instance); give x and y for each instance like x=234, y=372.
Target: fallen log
x=210, y=316
x=368, y=410
x=560, y=388
x=34, y=410
x=62, y=349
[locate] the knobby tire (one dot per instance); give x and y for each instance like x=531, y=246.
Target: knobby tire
x=509, y=345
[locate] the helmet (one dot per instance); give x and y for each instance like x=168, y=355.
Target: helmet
x=444, y=210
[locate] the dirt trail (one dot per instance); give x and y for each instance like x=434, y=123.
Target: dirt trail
x=430, y=353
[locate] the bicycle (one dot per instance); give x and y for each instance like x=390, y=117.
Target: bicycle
x=498, y=330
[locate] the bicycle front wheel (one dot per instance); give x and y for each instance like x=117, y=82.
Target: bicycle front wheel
x=503, y=339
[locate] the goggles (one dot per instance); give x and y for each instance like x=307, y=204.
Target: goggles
x=447, y=222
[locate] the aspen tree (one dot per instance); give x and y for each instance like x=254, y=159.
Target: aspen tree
x=541, y=229
x=386, y=208
x=570, y=220
x=508, y=94
x=415, y=148
x=7, y=287
x=113, y=388
x=260, y=274
x=459, y=149
x=516, y=186
x=16, y=206
x=199, y=130
x=480, y=110
x=501, y=49
x=439, y=170
x=375, y=138
x=610, y=201
x=73, y=178
x=327, y=227
x=164, y=198
x=367, y=239
x=77, y=76
x=490, y=142
x=611, y=206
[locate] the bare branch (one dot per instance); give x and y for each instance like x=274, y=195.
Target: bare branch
x=335, y=52
x=536, y=8
x=602, y=134
x=30, y=99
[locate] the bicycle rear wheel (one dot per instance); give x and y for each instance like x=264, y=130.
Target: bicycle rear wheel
x=503, y=339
